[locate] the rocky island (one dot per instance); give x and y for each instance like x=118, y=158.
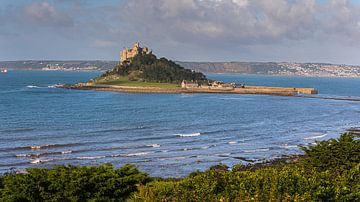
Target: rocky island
x=140, y=71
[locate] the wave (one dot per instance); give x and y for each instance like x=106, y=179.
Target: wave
x=153, y=145
x=31, y=86
x=120, y=129
x=36, y=155
x=188, y=135
x=209, y=146
x=45, y=146
x=315, y=137
x=256, y=150
x=220, y=131
x=90, y=157
x=286, y=146
x=38, y=161
x=136, y=154
x=177, y=157
x=224, y=155
x=55, y=86
x=17, y=130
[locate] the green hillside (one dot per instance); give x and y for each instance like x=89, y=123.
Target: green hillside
x=148, y=68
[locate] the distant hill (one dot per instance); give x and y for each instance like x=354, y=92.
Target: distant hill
x=276, y=68
x=265, y=68
x=76, y=65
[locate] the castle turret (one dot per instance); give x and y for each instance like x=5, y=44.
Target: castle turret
x=126, y=54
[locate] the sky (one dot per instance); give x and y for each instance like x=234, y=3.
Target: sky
x=184, y=30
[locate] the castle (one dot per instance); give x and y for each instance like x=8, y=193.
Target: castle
x=126, y=53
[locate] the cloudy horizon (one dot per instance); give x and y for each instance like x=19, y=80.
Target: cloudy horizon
x=185, y=30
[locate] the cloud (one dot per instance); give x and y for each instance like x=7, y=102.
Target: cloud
x=104, y=44
x=187, y=29
x=241, y=21
x=44, y=14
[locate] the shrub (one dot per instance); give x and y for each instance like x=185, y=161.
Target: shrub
x=334, y=154
x=73, y=183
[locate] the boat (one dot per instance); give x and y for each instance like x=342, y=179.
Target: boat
x=4, y=71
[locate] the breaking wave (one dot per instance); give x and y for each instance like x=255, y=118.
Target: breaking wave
x=315, y=137
x=45, y=146
x=31, y=86
x=90, y=157
x=36, y=155
x=256, y=150
x=136, y=154
x=188, y=135
x=153, y=145
x=38, y=161
x=286, y=146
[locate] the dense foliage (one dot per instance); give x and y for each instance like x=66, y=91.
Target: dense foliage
x=73, y=183
x=147, y=67
x=329, y=171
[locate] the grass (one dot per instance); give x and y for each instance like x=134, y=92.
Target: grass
x=124, y=81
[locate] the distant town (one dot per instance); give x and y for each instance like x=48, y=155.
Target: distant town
x=263, y=68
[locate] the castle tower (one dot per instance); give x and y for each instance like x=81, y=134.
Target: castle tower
x=126, y=53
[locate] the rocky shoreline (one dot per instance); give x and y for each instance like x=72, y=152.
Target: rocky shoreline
x=259, y=90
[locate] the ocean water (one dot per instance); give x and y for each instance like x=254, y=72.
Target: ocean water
x=168, y=135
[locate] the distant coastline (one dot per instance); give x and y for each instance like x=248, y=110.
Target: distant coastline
x=249, y=68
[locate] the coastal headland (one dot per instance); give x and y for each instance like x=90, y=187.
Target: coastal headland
x=140, y=71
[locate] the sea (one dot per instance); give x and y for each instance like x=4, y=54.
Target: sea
x=166, y=135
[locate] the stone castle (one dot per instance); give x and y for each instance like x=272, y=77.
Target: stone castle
x=126, y=53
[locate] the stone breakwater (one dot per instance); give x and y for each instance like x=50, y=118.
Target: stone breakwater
x=260, y=90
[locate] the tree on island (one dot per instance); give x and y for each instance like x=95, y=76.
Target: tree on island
x=148, y=68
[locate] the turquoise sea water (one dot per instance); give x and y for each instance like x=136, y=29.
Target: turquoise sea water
x=166, y=135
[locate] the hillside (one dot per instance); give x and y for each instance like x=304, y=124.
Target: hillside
x=146, y=67
x=264, y=68
x=68, y=65
x=276, y=68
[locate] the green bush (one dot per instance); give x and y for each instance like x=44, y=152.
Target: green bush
x=73, y=183
x=334, y=154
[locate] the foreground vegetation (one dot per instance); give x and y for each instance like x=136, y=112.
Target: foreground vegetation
x=329, y=171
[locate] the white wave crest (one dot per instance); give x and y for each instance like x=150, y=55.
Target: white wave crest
x=90, y=157
x=315, y=137
x=55, y=86
x=136, y=154
x=286, y=146
x=66, y=152
x=153, y=145
x=37, y=161
x=31, y=86
x=256, y=150
x=174, y=158
x=209, y=146
x=188, y=135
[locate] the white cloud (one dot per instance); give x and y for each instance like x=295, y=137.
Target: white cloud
x=45, y=14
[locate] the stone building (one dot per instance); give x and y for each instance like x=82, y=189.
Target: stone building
x=187, y=84
x=126, y=53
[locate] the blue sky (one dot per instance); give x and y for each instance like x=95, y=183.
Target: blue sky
x=188, y=30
